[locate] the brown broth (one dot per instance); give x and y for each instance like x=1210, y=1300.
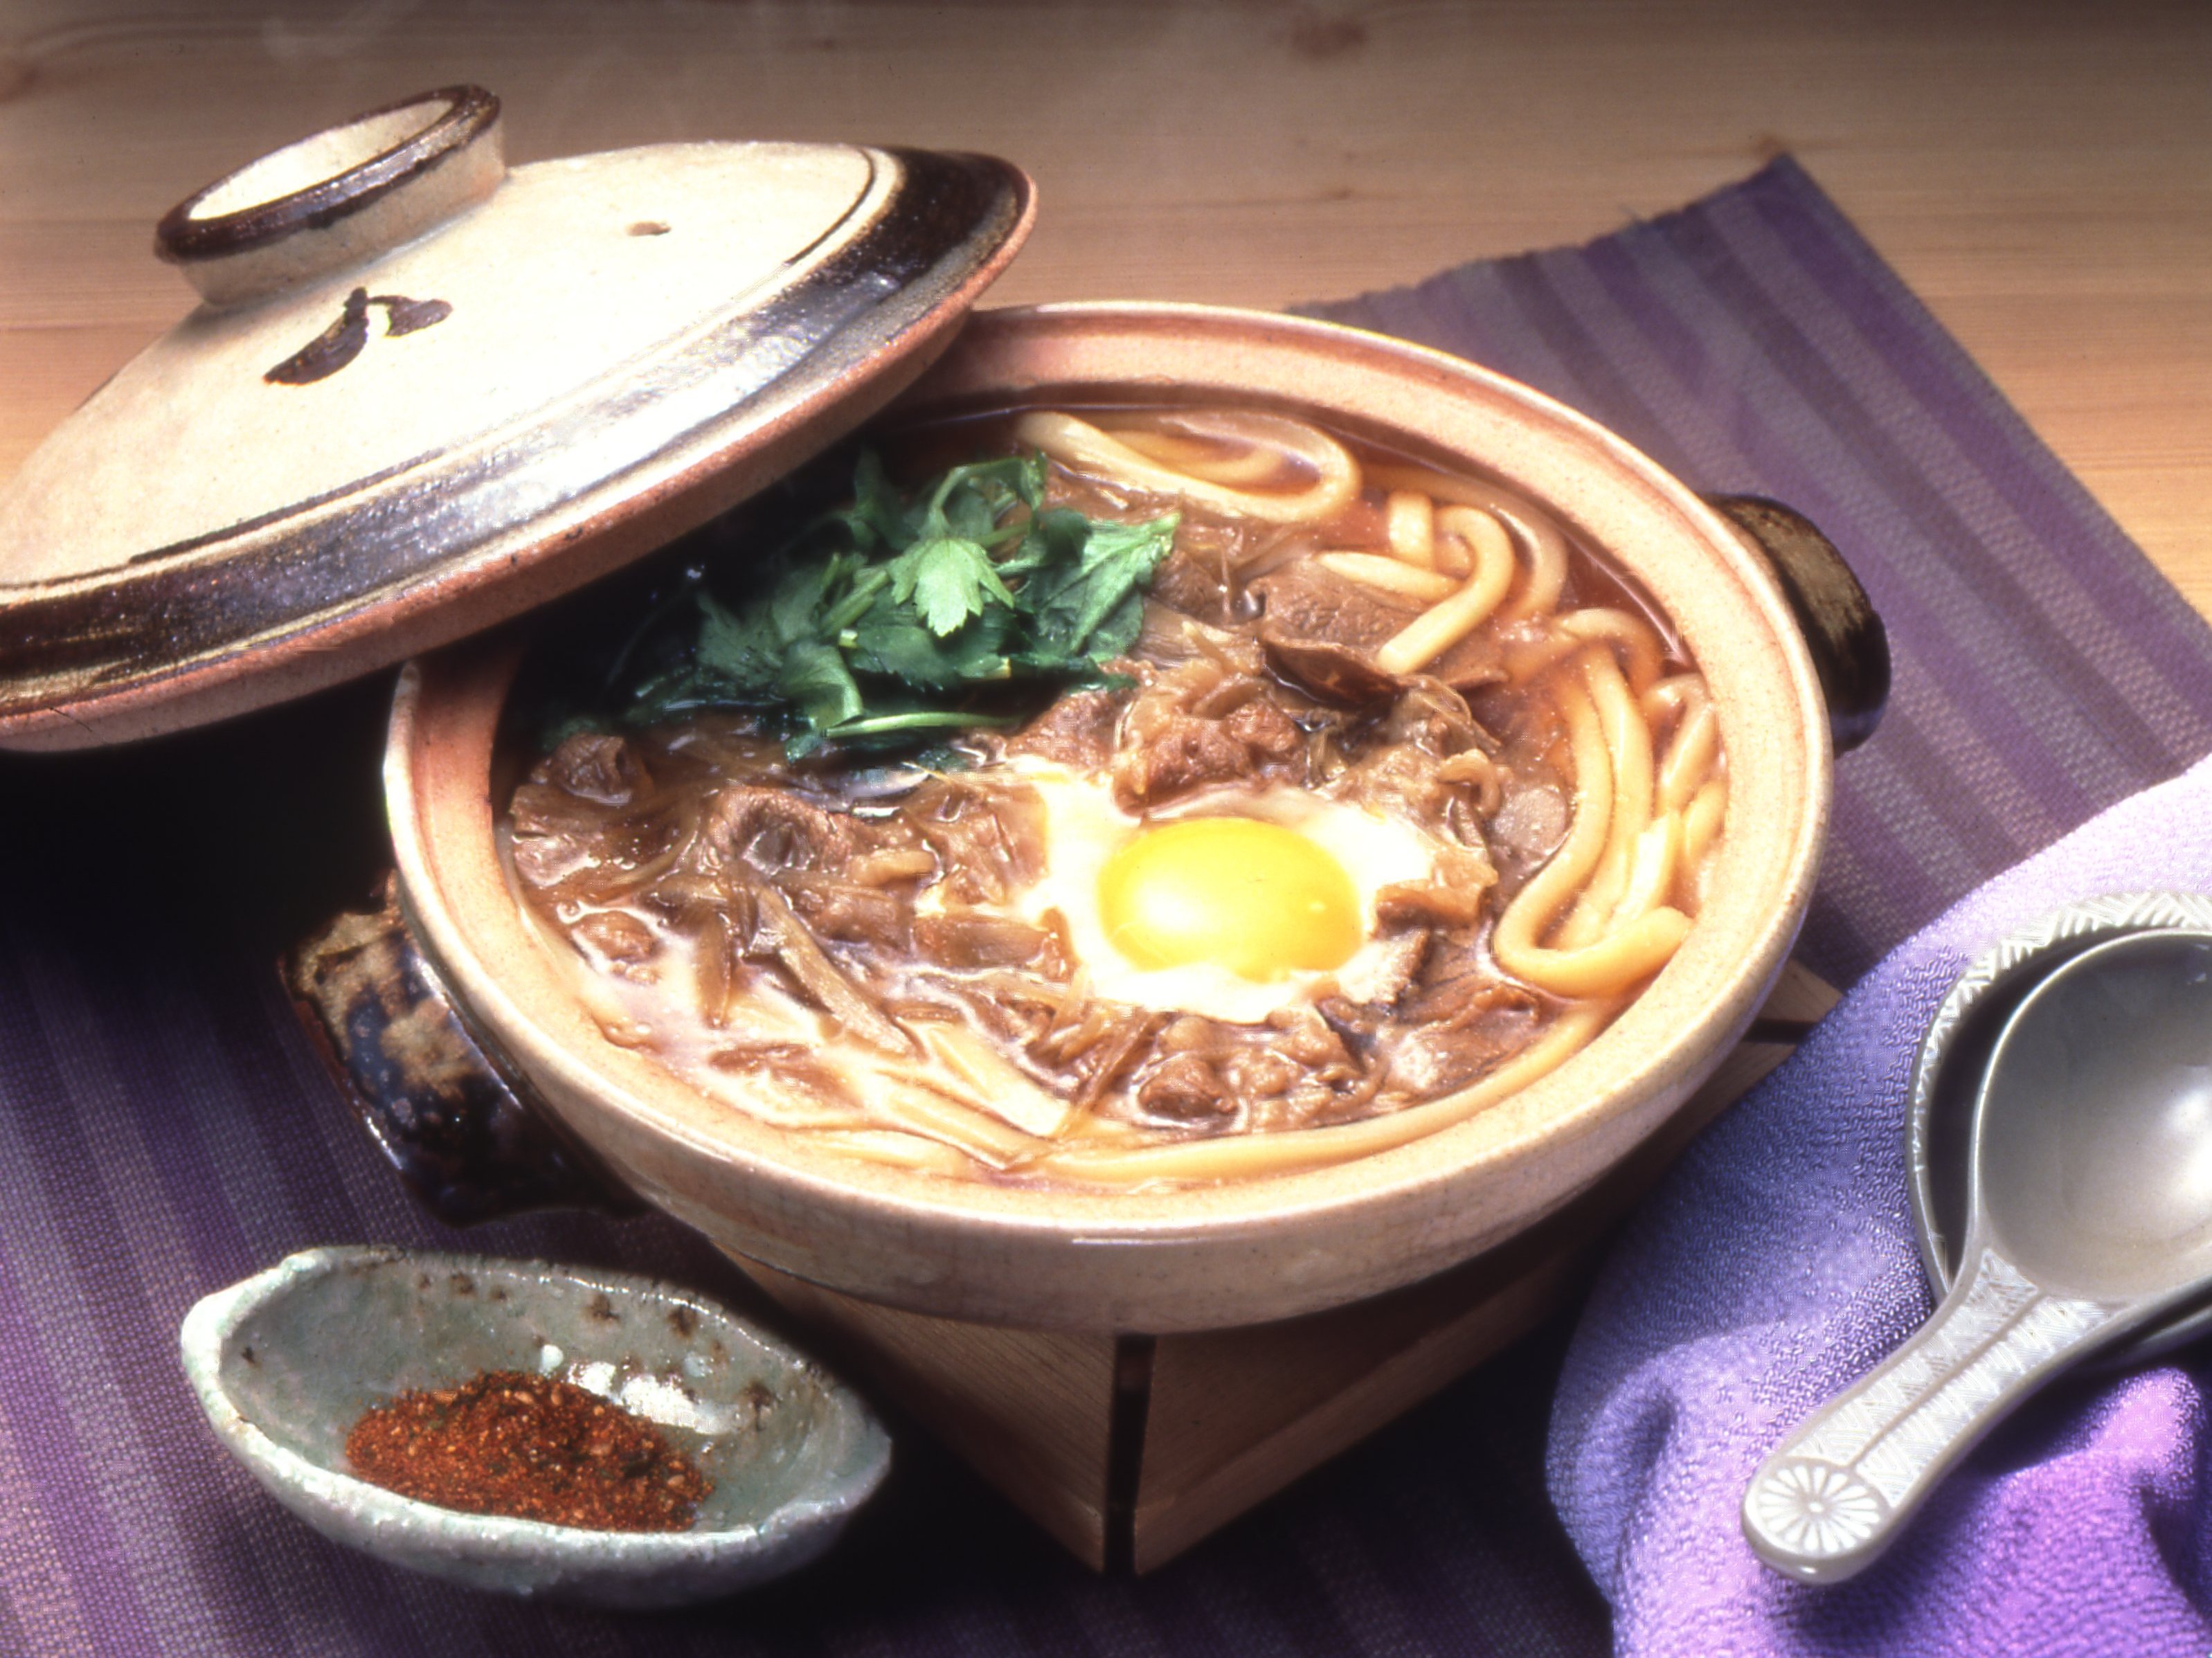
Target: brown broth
x=888, y=964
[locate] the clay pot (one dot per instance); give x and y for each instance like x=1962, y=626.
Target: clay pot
x=1264, y=1248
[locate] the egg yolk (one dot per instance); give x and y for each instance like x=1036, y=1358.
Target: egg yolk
x=1255, y=898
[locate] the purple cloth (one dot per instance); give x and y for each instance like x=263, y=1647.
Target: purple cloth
x=1777, y=1262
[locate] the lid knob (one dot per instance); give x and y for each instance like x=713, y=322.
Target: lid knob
x=344, y=195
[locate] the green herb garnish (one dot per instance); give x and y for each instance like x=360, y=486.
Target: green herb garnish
x=896, y=620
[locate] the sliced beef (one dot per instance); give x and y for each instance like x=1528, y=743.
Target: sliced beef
x=1453, y=898
x=1182, y=753
x=775, y=829
x=1467, y=999
x=1532, y=822
x=597, y=765
x=1334, y=673
x=573, y=849
x=1427, y=1062
x=1202, y=724
x=969, y=939
x=988, y=838
x=1403, y=760
x=1303, y=601
x=849, y=912
x=1477, y=660
x=1260, y=1073
x=1458, y=1030
x=541, y=807
x=1263, y=727
x=1319, y=627
x=1077, y=730
x=1185, y=1088
x=1194, y=578
x=544, y=856
x=1301, y=1034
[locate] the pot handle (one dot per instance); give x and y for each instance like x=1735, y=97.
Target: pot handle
x=469, y=1139
x=1850, y=646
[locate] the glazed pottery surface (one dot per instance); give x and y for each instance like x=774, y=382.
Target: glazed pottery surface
x=1198, y=1257
x=286, y=1362
x=425, y=392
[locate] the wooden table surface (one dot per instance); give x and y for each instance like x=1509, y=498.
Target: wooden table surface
x=2041, y=174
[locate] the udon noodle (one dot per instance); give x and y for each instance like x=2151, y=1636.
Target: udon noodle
x=1472, y=784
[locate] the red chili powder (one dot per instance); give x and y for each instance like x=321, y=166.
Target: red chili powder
x=510, y=1443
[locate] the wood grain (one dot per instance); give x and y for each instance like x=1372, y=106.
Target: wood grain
x=2036, y=171
x=1030, y=1410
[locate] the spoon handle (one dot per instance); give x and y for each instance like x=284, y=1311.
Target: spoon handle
x=1835, y=1493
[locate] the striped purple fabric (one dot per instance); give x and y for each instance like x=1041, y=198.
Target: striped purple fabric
x=165, y=1130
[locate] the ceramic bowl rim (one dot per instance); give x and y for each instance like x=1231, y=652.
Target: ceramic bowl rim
x=217, y=1317
x=1512, y=1137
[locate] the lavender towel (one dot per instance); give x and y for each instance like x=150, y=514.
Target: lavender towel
x=164, y=1129
x=1777, y=1263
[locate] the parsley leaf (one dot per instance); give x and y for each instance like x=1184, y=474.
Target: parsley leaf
x=816, y=681
x=1093, y=606
x=896, y=620
x=948, y=580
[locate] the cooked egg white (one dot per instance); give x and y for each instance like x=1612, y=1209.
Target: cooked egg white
x=1231, y=904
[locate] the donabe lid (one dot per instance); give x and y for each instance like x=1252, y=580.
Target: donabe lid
x=424, y=393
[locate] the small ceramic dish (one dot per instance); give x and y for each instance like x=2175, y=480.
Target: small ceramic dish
x=285, y=1362
x=1956, y=1051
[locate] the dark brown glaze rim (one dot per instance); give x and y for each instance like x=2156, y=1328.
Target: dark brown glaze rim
x=182, y=239
x=161, y=628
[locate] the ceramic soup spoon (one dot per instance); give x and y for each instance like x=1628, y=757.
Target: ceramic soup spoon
x=2089, y=1216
